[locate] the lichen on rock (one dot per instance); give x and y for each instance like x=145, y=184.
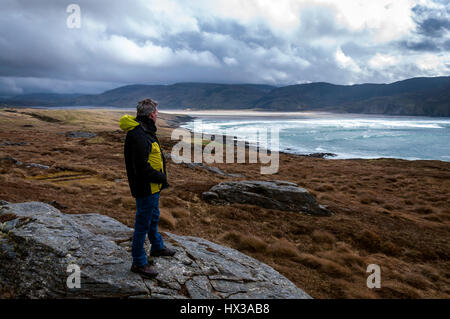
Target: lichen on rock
x=276, y=194
x=38, y=243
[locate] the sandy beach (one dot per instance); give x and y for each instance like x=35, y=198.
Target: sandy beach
x=255, y=113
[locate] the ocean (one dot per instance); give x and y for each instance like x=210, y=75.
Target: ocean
x=346, y=135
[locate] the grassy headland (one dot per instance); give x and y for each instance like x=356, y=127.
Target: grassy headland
x=390, y=212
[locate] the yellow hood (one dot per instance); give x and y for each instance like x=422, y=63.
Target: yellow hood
x=127, y=122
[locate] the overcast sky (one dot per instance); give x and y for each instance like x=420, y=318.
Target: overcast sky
x=230, y=41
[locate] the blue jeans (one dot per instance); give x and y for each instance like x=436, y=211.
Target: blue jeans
x=147, y=218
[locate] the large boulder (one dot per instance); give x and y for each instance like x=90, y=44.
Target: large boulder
x=37, y=243
x=275, y=194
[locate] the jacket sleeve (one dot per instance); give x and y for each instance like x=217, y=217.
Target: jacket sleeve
x=140, y=150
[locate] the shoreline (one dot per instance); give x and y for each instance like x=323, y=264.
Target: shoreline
x=227, y=112
x=246, y=112
x=174, y=120
x=183, y=118
x=248, y=145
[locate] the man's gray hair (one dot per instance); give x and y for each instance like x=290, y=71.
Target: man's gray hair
x=146, y=107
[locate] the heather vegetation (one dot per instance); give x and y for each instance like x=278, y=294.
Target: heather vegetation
x=389, y=212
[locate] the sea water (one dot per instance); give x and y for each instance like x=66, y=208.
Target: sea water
x=346, y=135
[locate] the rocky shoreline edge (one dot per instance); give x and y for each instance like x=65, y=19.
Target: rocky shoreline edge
x=181, y=119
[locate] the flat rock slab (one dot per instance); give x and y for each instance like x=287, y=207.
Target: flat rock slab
x=38, y=242
x=208, y=270
x=80, y=134
x=275, y=194
x=37, y=246
x=10, y=143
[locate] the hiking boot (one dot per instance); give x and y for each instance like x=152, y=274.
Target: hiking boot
x=145, y=271
x=163, y=252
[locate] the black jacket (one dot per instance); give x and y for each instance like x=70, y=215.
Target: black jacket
x=138, y=146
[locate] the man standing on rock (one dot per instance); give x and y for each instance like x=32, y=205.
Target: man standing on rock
x=146, y=170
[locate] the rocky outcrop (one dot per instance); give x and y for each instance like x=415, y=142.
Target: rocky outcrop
x=321, y=155
x=37, y=243
x=80, y=134
x=11, y=159
x=280, y=195
x=175, y=121
x=19, y=163
x=10, y=143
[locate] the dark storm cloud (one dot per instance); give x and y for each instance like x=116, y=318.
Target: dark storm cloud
x=425, y=45
x=432, y=22
x=433, y=27
x=163, y=42
x=447, y=45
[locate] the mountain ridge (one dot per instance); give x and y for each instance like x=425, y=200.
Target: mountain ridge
x=424, y=96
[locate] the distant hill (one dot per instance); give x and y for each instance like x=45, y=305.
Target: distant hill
x=40, y=99
x=181, y=95
x=417, y=96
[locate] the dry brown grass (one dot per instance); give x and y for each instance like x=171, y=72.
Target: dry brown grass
x=246, y=242
x=171, y=201
x=390, y=212
x=424, y=210
x=322, y=236
x=282, y=248
x=330, y=267
x=179, y=212
x=166, y=219
x=399, y=290
x=324, y=188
